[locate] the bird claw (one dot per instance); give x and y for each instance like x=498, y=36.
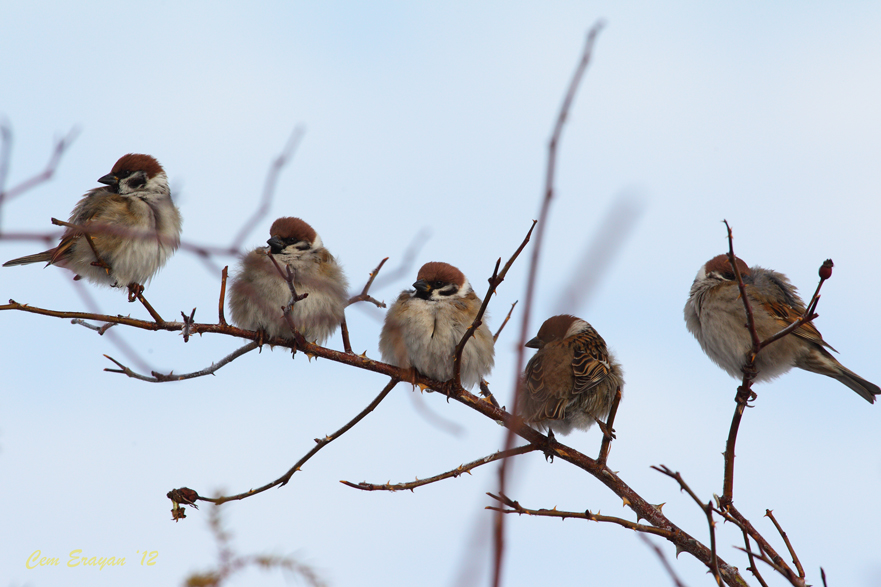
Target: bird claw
x=608, y=432
x=547, y=450
x=134, y=290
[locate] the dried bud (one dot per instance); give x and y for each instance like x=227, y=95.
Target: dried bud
x=826, y=269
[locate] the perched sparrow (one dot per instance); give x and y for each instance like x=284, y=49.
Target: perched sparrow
x=133, y=223
x=714, y=314
x=258, y=292
x=423, y=327
x=571, y=380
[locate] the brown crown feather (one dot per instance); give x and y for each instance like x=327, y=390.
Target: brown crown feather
x=138, y=162
x=555, y=328
x=291, y=227
x=720, y=264
x=437, y=271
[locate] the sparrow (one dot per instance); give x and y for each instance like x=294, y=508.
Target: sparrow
x=259, y=293
x=132, y=222
x=573, y=378
x=424, y=326
x=714, y=314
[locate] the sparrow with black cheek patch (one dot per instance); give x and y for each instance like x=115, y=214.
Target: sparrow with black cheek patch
x=714, y=314
x=424, y=326
x=133, y=223
x=572, y=379
x=258, y=292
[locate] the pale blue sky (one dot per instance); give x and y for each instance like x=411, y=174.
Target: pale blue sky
x=437, y=117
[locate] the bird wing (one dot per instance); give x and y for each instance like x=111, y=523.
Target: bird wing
x=787, y=314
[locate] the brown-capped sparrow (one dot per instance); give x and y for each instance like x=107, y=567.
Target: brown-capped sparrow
x=132, y=222
x=423, y=327
x=259, y=293
x=572, y=379
x=715, y=315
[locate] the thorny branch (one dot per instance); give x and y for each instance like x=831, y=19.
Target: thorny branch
x=745, y=394
x=499, y=523
x=801, y=571
x=516, y=508
x=494, y=282
x=362, y=297
x=708, y=510
x=466, y=468
x=162, y=378
x=319, y=444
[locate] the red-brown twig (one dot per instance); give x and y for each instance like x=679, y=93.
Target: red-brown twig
x=744, y=392
x=664, y=562
x=499, y=527
x=799, y=568
x=319, y=444
x=494, y=282
x=502, y=327
x=516, y=508
x=163, y=378
x=732, y=514
x=708, y=510
x=608, y=429
x=461, y=469
x=752, y=562
x=363, y=297
x=221, y=319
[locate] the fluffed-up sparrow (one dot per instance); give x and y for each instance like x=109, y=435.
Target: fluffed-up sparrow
x=424, y=326
x=259, y=293
x=715, y=315
x=132, y=222
x=573, y=378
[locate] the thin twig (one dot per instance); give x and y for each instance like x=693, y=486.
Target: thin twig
x=732, y=514
x=752, y=562
x=499, y=528
x=344, y=331
x=798, y=567
x=516, y=508
x=770, y=563
x=494, y=282
x=163, y=378
x=708, y=511
x=221, y=319
x=502, y=327
x=319, y=444
x=466, y=468
x=666, y=564
x=99, y=329
x=608, y=429
x=363, y=297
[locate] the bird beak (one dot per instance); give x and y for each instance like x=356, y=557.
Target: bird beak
x=533, y=344
x=422, y=286
x=275, y=244
x=109, y=179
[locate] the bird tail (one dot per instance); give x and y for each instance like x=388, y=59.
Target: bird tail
x=825, y=364
x=44, y=257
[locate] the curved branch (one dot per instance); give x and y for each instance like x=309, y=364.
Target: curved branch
x=160, y=378
x=466, y=468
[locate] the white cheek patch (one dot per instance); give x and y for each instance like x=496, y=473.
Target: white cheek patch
x=317, y=243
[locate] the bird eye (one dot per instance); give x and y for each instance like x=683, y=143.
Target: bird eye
x=437, y=284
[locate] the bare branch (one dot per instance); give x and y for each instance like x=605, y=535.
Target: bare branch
x=319, y=444
x=708, y=510
x=608, y=429
x=799, y=568
x=494, y=282
x=752, y=563
x=162, y=378
x=221, y=319
x=663, y=560
x=516, y=508
x=466, y=468
x=504, y=322
x=363, y=297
